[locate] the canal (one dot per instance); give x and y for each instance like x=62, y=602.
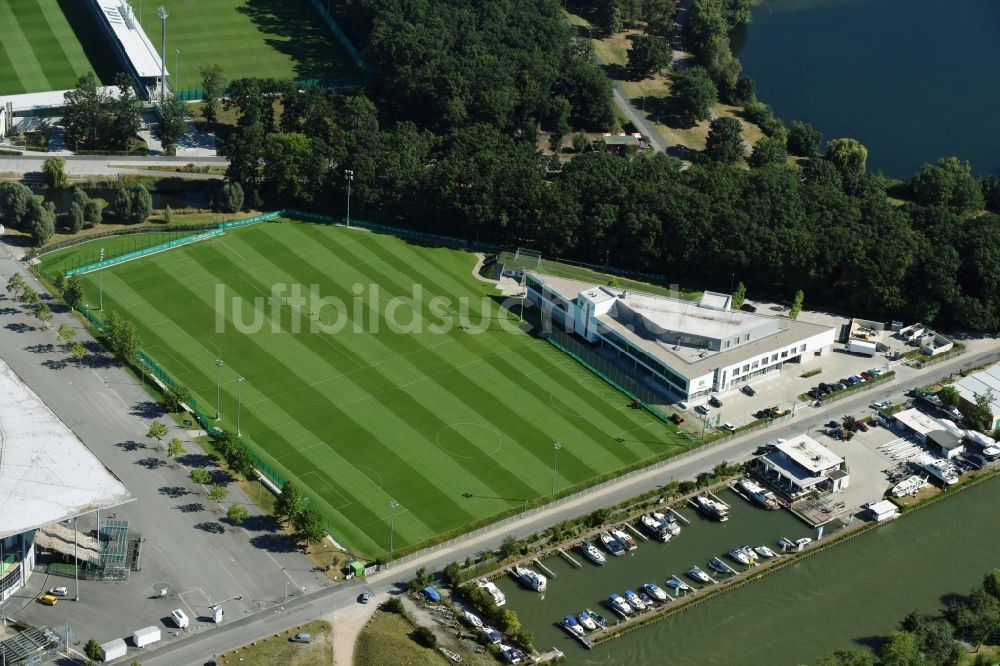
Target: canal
x=845, y=597
x=910, y=79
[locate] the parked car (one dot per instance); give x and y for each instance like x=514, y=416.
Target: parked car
x=301, y=637
x=728, y=427
x=867, y=376
x=715, y=402
x=746, y=307
x=702, y=409
x=59, y=591
x=833, y=424
x=365, y=597
x=862, y=427
x=48, y=600
x=748, y=390
x=839, y=387
x=676, y=419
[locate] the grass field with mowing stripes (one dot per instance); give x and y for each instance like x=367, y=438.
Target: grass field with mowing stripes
x=454, y=424
x=39, y=49
x=281, y=39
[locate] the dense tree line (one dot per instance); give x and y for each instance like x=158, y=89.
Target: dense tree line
x=932, y=640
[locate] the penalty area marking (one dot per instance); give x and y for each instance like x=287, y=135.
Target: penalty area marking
x=473, y=433
x=325, y=490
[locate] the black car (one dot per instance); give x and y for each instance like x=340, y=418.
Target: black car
x=833, y=424
x=715, y=402
x=746, y=307
x=748, y=390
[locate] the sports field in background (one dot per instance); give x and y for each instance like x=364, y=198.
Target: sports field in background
x=281, y=39
x=456, y=426
x=39, y=49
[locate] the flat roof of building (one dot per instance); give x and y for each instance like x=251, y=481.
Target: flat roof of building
x=882, y=507
x=809, y=454
x=917, y=421
x=46, y=473
x=692, y=317
x=801, y=477
x=140, y=51
x=945, y=439
x=981, y=383
x=51, y=99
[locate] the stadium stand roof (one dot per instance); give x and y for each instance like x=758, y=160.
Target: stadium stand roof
x=126, y=29
x=46, y=472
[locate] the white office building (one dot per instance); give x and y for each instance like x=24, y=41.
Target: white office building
x=691, y=347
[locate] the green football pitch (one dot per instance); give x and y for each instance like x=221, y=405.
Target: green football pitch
x=455, y=420
x=281, y=39
x=39, y=49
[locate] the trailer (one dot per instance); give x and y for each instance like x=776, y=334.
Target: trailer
x=115, y=649
x=145, y=636
x=862, y=347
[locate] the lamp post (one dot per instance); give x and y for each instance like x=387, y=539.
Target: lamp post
x=349, y=177
x=100, y=281
x=555, y=464
x=162, y=13
x=238, y=382
x=218, y=388
x=76, y=563
x=177, y=66
x=393, y=505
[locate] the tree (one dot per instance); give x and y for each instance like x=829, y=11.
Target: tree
x=30, y=297
x=309, y=526
x=848, y=155
x=173, y=124
x=991, y=583
x=509, y=547
x=212, y=85
x=453, y=574
x=168, y=214
x=65, y=334
x=44, y=314
x=157, y=431
x=93, y=650
x=201, y=476
x=846, y=658
x=175, y=447
x=76, y=218
x=16, y=201
x=229, y=198
x=54, y=171
x=739, y=295
x=290, y=502
x=77, y=350
x=980, y=415
x=822, y=172
x=949, y=396
x=241, y=461
x=948, y=183
x=580, y=143
x=16, y=285
x=72, y=295
x=217, y=492
x=936, y=641
x=901, y=650
x=425, y=636
x=803, y=139
x=694, y=93
x=768, y=151
x=649, y=55
x=725, y=140
x=226, y=442
x=92, y=213
x=93, y=119
x=237, y=514
x=132, y=203
x=175, y=397
x=42, y=222
x=123, y=114
x=793, y=312
x=122, y=337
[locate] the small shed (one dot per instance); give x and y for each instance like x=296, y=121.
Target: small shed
x=357, y=568
x=945, y=443
x=883, y=510
x=431, y=593
x=115, y=649
x=145, y=636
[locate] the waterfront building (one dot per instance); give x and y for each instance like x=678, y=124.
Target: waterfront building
x=986, y=382
x=801, y=465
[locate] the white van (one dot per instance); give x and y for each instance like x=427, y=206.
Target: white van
x=180, y=618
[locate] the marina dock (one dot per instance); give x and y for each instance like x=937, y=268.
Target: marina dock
x=544, y=568
x=569, y=558
x=716, y=498
x=678, y=516
x=637, y=532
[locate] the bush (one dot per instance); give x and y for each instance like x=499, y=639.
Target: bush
x=175, y=396
x=425, y=636
x=132, y=203
x=392, y=605
x=229, y=198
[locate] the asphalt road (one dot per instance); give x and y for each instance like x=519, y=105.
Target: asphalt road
x=638, y=119
x=90, y=165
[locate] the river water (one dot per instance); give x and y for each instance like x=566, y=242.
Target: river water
x=845, y=597
x=913, y=80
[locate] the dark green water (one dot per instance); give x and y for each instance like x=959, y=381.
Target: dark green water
x=845, y=597
x=914, y=80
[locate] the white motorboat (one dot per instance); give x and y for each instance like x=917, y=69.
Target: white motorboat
x=531, y=579
x=699, y=575
x=570, y=624
x=677, y=584
x=492, y=635
x=908, y=486
x=612, y=544
x=804, y=541
x=597, y=617
x=786, y=543
x=758, y=494
x=620, y=605
x=511, y=654
x=741, y=557
x=498, y=596
x=587, y=622
x=765, y=552
x=750, y=553
x=655, y=591
x=718, y=565
x=669, y=521
x=942, y=471
x=711, y=508
x=624, y=538
x=634, y=601
x=591, y=553
x=473, y=620
x=656, y=529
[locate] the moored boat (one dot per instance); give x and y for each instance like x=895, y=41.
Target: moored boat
x=591, y=553
x=758, y=494
x=711, y=508
x=498, y=596
x=765, y=552
x=656, y=528
x=624, y=538
x=612, y=544
x=738, y=555
x=644, y=598
x=908, y=486
x=620, y=605
x=492, y=635
x=804, y=541
x=655, y=591
x=473, y=620
x=750, y=553
x=785, y=542
x=511, y=654
x=530, y=579
x=634, y=601
x=669, y=521
x=698, y=575
x=598, y=618
x=570, y=624
x=942, y=471
x=677, y=584
x=718, y=565
x=586, y=621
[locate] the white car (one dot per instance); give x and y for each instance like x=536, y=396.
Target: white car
x=729, y=427
x=59, y=591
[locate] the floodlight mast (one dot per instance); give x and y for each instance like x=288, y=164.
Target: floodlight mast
x=162, y=13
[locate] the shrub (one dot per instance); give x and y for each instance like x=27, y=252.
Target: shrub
x=425, y=636
x=132, y=203
x=229, y=198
